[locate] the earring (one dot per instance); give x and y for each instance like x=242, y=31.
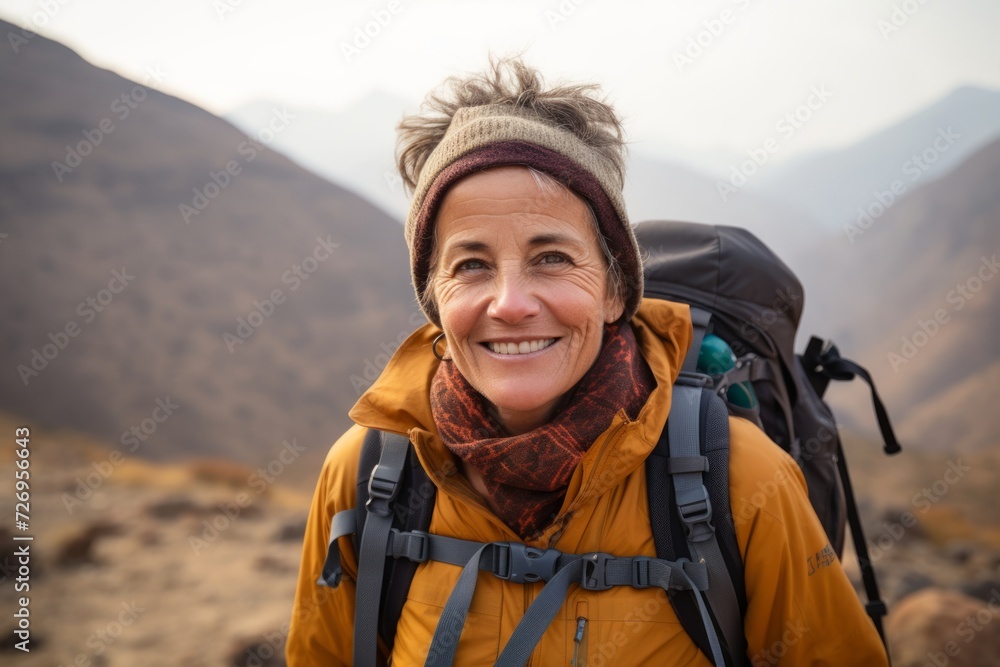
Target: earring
x=434, y=346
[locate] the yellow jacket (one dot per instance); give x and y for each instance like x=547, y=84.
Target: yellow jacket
x=802, y=610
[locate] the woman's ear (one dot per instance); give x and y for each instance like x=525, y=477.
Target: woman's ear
x=614, y=306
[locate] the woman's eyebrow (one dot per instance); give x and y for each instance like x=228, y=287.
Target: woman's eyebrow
x=552, y=239
x=467, y=246
x=534, y=241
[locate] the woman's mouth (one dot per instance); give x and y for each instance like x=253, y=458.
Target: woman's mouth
x=522, y=347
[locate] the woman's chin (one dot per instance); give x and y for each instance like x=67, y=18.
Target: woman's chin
x=525, y=404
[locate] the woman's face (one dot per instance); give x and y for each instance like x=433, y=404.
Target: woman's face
x=520, y=285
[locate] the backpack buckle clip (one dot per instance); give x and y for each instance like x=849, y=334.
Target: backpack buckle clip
x=413, y=545
x=689, y=379
x=593, y=578
x=640, y=571
x=526, y=564
x=695, y=509
x=383, y=486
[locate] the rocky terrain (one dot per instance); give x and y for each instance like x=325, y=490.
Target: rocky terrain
x=153, y=564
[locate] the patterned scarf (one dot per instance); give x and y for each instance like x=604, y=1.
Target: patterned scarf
x=527, y=474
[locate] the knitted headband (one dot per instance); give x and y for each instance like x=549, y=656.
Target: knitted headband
x=491, y=136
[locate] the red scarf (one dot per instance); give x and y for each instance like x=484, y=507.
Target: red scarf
x=527, y=474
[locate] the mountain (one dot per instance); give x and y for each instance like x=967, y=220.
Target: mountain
x=657, y=189
x=830, y=186
x=173, y=285
x=915, y=297
x=354, y=146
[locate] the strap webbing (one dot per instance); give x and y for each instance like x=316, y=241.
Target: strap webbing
x=699, y=320
x=695, y=509
x=748, y=368
x=543, y=610
x=539, y=616
x=511, y=561
x=875, y=607
x=383, y=485
x=344, y=523
x=593, y=571
x=444, y=643
x=685, y=464
x=845, y=369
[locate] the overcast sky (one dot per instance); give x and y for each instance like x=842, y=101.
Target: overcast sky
x=716, y=75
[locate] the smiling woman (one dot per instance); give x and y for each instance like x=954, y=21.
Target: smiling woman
x=518, y=421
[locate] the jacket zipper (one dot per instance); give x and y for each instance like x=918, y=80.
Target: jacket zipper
x=579, y=647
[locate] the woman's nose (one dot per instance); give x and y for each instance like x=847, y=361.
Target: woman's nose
x=513, y=300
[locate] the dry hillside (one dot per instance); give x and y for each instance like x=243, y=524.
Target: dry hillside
x=916, y=299
x=251, y=308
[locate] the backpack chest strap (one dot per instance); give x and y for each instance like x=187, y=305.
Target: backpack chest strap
x=518, y=563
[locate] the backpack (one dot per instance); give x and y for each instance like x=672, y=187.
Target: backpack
x=745, y=302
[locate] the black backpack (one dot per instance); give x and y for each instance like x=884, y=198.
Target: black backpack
x=740, y=293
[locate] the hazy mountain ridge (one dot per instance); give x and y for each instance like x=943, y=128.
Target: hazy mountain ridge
x=354, y=147
x=201, y=247
x=831, y=185
x=660, y=190
x=915, y=298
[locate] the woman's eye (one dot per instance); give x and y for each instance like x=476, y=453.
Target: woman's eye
x=553, y=258
x=471, y=265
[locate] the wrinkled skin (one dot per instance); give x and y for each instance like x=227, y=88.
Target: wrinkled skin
x=517, y=264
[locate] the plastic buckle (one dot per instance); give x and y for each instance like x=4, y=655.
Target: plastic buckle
x=593, y=578
x=689, y=379
x=383, y=485
x=696, y=514
x=640, y=571
x=528, y=564
x=397, y=539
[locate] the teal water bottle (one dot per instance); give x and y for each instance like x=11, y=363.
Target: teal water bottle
x=715, y=358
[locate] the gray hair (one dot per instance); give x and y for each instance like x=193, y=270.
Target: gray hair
x=509, y=81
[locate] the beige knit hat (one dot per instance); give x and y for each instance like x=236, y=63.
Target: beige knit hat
x=490, y=136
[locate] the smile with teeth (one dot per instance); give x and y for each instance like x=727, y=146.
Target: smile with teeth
x=524, y=347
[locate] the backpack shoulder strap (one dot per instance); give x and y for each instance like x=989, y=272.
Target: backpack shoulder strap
x=394, y=496
x=383, y=487
x=352, y=521
x=688, y=473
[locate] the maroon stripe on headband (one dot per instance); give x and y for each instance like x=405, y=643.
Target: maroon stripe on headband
x=506, y=153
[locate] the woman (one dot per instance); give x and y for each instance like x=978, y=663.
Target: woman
x=549, y=388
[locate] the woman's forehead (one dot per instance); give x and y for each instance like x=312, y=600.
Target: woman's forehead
x=509, y=192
